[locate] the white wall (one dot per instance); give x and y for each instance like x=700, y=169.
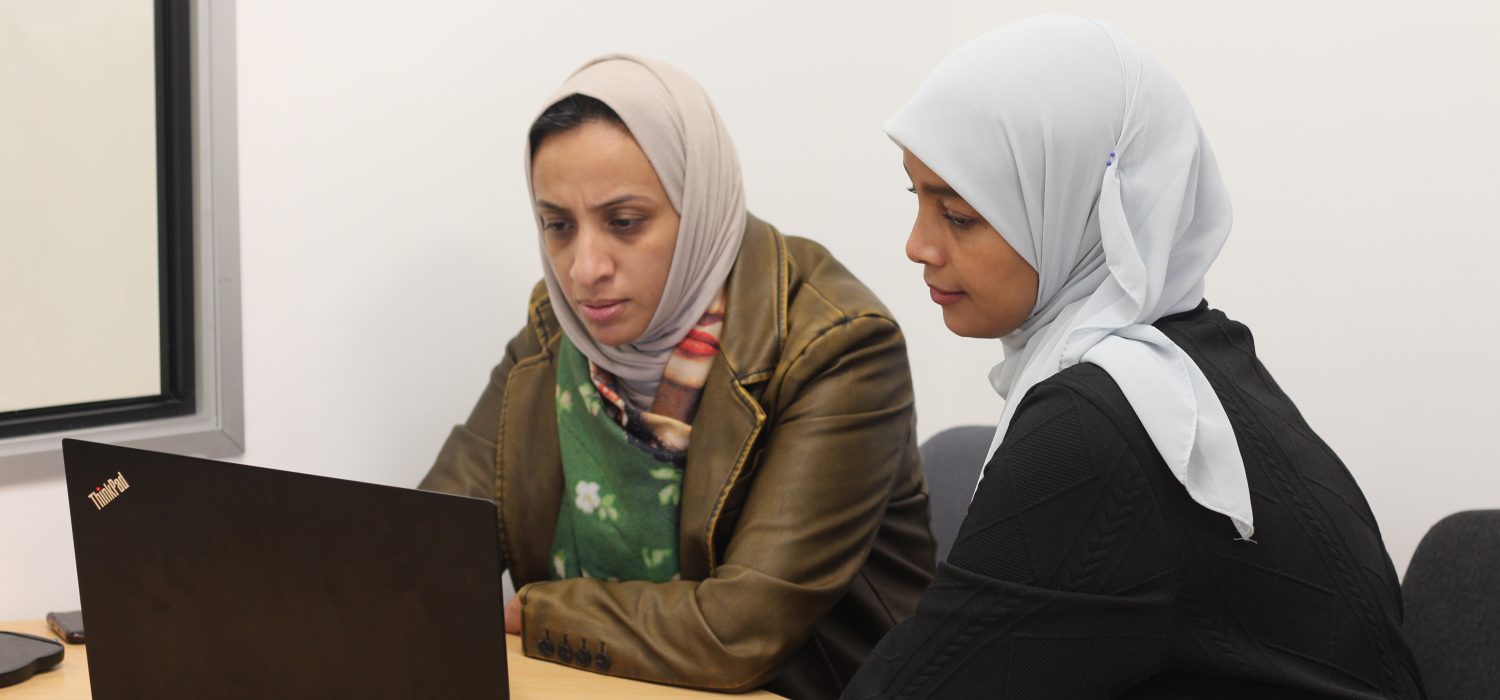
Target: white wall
x=387, y=247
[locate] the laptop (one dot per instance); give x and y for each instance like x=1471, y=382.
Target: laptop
x=205, y=579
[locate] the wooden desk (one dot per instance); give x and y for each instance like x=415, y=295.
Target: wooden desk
x=529, y=678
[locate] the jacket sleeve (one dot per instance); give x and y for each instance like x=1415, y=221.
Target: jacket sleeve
x=825, y=474
x=1060, y=581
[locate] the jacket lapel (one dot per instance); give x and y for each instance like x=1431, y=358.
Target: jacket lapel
x=729, y=420
x=530, y=472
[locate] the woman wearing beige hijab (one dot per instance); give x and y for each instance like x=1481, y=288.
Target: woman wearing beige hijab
x=702, y=444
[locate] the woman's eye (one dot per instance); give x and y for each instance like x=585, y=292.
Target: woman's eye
x=623, y=224
x=958, y=221
x=555, y=227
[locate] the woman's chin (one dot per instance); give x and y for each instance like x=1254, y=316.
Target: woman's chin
x=957, y=323
x=962, y=322
x=612, y=334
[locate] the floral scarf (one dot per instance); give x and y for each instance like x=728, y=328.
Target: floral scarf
x=622, y=467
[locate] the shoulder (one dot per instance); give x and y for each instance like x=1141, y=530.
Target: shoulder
x=536, y=342
x=1076, y=426
x=836, y=329
x=1068, y=495
x=824, y=297
x=1082, y=409
x=829, y=310
x=1086, y=393
x=820, y=286
x=541, y=320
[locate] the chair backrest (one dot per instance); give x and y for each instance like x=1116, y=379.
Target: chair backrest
x=1452, y=601
x=952, y=462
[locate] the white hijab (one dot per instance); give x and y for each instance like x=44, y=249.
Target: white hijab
x=1086, y=156
x=671, y=117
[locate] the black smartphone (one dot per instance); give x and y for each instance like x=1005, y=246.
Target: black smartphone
x=67, y=625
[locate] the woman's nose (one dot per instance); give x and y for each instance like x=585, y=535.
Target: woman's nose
x=592, y=261
x=921, y=248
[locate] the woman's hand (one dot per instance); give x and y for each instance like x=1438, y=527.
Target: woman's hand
x=513, y=615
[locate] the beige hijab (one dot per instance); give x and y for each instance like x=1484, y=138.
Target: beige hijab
x=676, y=125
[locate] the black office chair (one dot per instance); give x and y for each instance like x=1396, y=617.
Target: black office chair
x=952, y=461
x=1452, y=601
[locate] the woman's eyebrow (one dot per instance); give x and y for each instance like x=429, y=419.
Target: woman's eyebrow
x=940, y=190
x=617, y=201
x=929, y=188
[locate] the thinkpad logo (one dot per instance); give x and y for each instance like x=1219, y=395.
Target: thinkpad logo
x=104, y=494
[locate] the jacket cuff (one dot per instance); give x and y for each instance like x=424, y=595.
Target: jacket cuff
x=550, y=636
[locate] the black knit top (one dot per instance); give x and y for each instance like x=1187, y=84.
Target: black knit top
x=1083, y=568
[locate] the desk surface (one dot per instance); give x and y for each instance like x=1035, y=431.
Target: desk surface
x=529, y=678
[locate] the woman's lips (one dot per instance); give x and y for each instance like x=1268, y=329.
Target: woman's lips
x=602, y=310
x=944, y=297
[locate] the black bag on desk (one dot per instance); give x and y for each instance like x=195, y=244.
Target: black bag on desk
x=22, y=655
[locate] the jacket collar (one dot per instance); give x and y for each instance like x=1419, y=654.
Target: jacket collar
x=754, y=331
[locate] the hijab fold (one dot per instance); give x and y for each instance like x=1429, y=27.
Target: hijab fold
x=1086, y=156
x=671, y=118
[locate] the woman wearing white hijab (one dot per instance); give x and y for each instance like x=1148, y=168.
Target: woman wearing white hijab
x=1155, y=518
x=702, y=444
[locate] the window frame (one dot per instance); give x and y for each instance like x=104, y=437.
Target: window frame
x=200, y=410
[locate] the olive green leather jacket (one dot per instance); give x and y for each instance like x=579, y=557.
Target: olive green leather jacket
x=803, y=534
